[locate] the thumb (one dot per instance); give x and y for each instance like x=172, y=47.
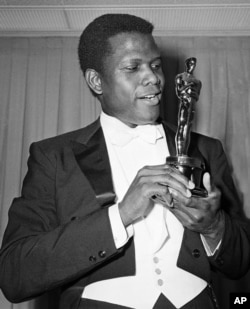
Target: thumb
x=207, y=182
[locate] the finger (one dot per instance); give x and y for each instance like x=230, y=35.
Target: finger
x=173, y=173
x=180, y=197
x=182, y=215
x=180, y=184
x=156, y=190
x=160, y=194
x=166, y=175
x=157, y=168
x=166, y=200
x=151, y=170
x=207, y=182
x=194, y=213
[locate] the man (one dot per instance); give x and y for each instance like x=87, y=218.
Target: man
x=101, y=216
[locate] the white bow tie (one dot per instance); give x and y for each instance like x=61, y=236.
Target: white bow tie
x=122, y=136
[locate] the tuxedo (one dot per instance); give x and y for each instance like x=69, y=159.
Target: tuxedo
x=59, y=233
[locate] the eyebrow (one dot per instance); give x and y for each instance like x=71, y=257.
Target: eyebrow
x=139, y=59
x=157, y=58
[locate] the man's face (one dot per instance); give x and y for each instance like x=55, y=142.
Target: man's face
x=133, y=81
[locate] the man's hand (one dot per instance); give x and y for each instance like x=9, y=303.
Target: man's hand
x=202, y=215
x=152, y=182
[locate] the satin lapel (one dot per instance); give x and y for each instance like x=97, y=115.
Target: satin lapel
x=92, y=157
x=170, y=136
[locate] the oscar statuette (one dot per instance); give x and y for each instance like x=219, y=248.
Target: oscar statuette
x=191, y=167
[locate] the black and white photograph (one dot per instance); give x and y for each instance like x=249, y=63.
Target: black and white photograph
x=124, y=154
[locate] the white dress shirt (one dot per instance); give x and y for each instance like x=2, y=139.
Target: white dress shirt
x=157, y=237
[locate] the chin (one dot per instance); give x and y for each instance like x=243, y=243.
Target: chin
x=151, y=118
x=148, y=120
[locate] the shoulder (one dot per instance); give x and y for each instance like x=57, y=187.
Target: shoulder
x=206, y=141
x=59, y=142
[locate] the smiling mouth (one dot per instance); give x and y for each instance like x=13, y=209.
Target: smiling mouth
x=150, y=96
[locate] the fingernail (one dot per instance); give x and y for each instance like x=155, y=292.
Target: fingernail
x=191, y=185
x=189, y=194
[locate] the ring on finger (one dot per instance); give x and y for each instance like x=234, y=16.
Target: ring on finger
x=171, y=204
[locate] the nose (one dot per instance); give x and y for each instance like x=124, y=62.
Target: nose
x=150, y=77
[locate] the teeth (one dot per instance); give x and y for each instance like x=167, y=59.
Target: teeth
x=149, y=96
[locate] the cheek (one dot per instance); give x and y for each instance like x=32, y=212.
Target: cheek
x=125, y=90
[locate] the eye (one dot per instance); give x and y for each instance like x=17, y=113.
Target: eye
x=156, y=66
x=131, y=68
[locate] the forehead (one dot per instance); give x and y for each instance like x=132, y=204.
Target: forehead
x=132, y=45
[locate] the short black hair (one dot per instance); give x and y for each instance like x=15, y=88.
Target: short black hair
x=94, y=43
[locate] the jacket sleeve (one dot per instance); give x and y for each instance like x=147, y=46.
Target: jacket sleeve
x=233, y=257
x=39, y=252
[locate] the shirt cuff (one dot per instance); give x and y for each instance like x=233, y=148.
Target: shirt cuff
x=121, y=233
x=207, y=248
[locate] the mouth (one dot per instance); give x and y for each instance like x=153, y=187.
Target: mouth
x=153, y=98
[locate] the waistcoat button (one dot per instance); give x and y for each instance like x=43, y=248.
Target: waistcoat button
x=160, y=282
x=220, y=261
x=156, y=259
x=102, y=254
x=196, y=253
x=92, y=258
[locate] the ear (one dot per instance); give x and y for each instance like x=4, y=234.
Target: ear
x=94, y=81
